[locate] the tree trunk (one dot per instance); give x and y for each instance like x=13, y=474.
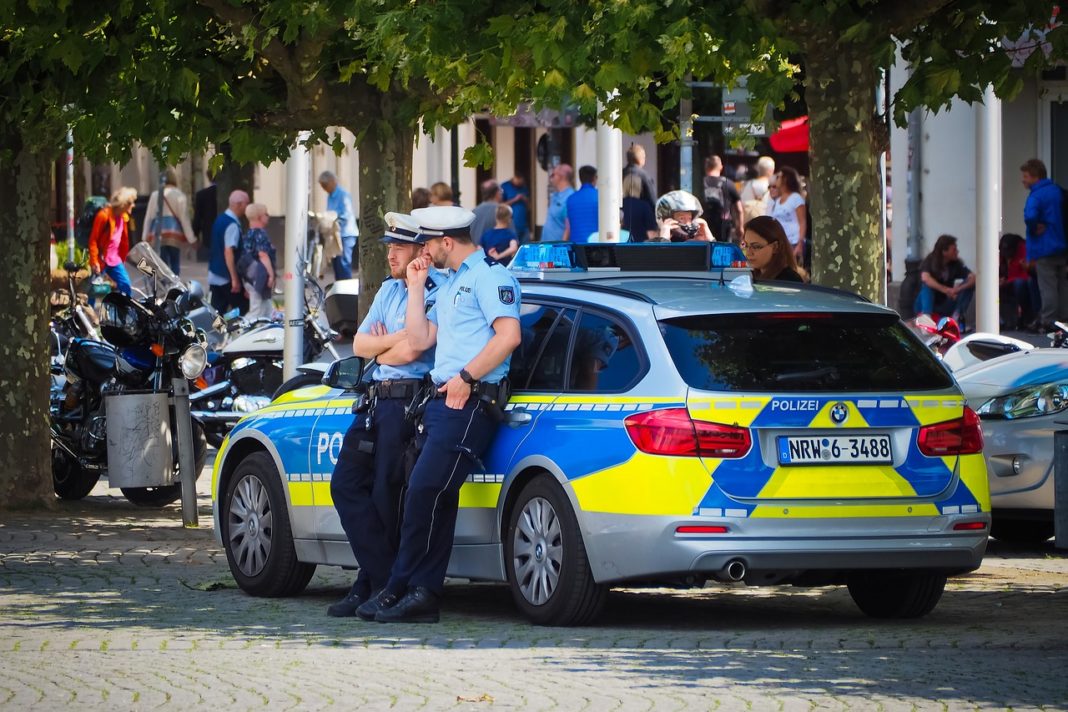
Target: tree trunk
x=385, y=186
x=847, y=251
x=25, y=462
x=233, y=176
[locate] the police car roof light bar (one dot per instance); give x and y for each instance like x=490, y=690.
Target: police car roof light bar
x=626, y=257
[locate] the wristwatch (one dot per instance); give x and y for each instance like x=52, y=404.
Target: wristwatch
x=467, y=377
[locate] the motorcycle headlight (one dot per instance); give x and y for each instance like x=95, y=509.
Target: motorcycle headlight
x=1027, y=403
x=193, y=361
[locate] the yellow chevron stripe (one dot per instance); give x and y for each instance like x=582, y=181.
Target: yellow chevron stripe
x=740, y=411
x=935, y=409
x=973, y=474
x=301, y=494
x=480, y=494
x=853, y=420
x=645, y=484
x=835, y=482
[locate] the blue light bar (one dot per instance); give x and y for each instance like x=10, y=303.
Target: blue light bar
x=628, y=257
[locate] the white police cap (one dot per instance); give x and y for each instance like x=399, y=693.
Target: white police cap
x=441, y=220
x=401, y=229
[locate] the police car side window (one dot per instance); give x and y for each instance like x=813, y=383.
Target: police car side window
x=539, y=362
x=604, y=358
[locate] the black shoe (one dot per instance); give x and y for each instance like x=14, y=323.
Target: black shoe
x=419, y=605
x=375, y=604
x=346, y=607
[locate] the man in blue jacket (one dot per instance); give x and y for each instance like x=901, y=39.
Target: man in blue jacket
x=1046, y=246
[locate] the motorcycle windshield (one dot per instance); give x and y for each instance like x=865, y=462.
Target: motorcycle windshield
x=148, y=273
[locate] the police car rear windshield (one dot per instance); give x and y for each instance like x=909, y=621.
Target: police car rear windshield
x=793, y=352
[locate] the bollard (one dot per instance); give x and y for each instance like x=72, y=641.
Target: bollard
x=1060, y=489
x=186, y=459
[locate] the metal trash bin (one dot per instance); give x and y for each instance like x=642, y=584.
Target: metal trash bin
x=139, y=440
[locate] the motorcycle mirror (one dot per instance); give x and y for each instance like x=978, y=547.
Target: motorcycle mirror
x=144, y=267
x=345, y=373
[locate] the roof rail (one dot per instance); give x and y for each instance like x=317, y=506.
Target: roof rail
x=594, y=287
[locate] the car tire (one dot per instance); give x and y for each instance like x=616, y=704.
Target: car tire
x=256, y=532
x=69, y=479
x=546, y=562
x=162, y=496
x=1021, y=532
x=301, y=380
x=896, y=594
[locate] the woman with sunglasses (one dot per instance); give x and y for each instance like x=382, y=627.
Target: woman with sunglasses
x=769, y=251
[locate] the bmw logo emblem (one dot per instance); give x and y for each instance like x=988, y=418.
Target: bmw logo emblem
x=839, y=413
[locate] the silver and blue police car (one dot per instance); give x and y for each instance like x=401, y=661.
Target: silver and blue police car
x=671, y=422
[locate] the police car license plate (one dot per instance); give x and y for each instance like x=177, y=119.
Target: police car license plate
x=831, y=449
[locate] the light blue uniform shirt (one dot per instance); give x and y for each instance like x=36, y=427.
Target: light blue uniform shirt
x=479, y=293
x=341, y=203
x=390, y=308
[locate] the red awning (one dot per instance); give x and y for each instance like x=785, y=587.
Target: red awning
x=792, y=136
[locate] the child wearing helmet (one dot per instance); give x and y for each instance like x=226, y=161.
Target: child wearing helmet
x=679, y=216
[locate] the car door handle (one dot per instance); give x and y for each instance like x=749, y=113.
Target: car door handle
x=517, y=417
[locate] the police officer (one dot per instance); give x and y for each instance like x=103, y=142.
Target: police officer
x=366, y=483
x=475, y=326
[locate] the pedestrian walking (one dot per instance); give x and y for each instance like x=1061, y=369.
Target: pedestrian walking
x=636, y=166
x=722, y=204
x=788, y=207
x=516, y=195
x=340, y=201
x=638, y=218
x=172, y=223
x=257, y=262
x=1046, y=246
x=205, y=210
x=367, y=481
x=475, y=327
x=486, y=211
x=501, y=242
x=109, y=240
x=441, y=194
x=561, y=180
x=754, y=194
x=227, y=292
x=582, y=212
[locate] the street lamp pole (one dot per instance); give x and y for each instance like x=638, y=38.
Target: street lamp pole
x=297, y=182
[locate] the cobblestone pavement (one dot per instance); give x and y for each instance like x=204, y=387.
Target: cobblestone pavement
x=106, y=606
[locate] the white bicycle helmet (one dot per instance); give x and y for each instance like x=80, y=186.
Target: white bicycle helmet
x=677, y=201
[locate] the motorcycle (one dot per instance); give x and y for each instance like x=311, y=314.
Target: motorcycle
x=128, y=380
x=247, y=375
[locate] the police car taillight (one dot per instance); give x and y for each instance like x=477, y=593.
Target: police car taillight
x=672, y=432
x=962, y=436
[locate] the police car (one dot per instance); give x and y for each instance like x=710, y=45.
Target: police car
x=671, y=423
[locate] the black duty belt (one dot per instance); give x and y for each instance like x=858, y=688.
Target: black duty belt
x=404, y=388
x=483, y=390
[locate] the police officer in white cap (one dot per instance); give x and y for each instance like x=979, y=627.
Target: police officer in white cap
x=366, y=484
x=475, y=326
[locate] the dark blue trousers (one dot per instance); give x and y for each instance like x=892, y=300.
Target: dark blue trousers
x=366, y=489
x=449, y=439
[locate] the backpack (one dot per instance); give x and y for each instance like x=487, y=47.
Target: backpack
x=83, y=227
x=717, y=207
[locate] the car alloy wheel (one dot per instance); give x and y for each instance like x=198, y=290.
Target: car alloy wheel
x=537, y=551
x=256, y=531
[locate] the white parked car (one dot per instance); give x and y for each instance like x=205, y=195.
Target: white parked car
x=1022, y=398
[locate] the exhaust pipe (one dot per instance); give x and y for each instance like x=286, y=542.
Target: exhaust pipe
x=733, y=571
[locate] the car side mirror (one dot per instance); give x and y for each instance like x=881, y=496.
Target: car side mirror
x=344, y=373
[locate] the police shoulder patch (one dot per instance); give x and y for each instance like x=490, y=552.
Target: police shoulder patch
x=429, y=284
x=490, y=261
x=506, y=294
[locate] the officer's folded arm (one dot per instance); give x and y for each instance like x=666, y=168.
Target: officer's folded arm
x=399, y=354
x=367, y=345
x=506, y=338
